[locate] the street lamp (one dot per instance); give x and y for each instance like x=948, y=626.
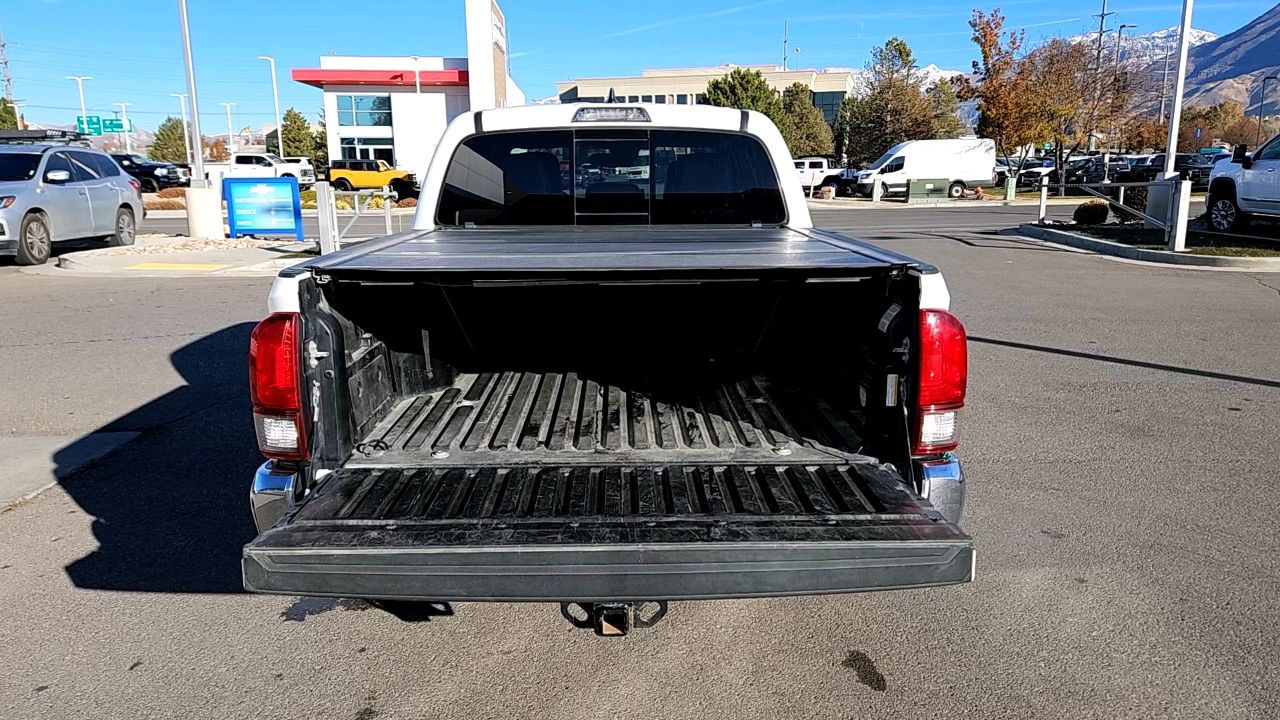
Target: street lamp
x=1262, y=106
x=186, y=131
x=417, y=85
x=231, y=142
x=80, y=84
x=276, y=97
x=124, y=118
x=1118, y=41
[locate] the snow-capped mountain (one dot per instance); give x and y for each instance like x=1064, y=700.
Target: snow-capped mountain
x=1149, y=46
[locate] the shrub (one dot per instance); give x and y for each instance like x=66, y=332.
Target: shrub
x=164, y=204
x=1093, y=212
x=307, y=196
x=1136, y=198
x=172, y=192
x=407, y=202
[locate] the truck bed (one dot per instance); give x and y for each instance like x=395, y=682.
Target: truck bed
x=550, y=486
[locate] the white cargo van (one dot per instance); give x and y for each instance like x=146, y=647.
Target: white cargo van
x=965, y=164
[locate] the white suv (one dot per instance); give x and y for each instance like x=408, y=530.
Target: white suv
x=1245, y=186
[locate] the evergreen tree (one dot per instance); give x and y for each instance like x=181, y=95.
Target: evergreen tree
x=892, y=108
x=8, y=115
x=168, y=145
x=810, y=134
x=748, y=90
x=296, y=135
x=944, y=106
x=320, y=146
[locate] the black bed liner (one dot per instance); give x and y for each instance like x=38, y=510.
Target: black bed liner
x=532, y=418
x=546, y=486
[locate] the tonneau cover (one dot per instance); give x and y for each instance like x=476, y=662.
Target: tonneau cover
x=580, y=248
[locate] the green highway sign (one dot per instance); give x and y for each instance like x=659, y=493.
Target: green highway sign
x=89, y=124
x=114, y=125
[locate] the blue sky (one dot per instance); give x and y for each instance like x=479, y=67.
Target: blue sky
x=133, y=52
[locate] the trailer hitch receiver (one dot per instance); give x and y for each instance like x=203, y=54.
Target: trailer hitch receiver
x=613, y=619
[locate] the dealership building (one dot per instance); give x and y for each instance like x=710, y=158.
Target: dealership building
x=685, y=86
x=396, y=108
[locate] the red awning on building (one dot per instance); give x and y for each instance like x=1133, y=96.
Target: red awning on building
x=320, y=77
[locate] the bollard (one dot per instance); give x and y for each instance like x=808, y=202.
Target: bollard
x=326, y=215
x=877, y=189
x=386, y=207
x=1010, y=189
x=1179, y=210
x=1044, y=197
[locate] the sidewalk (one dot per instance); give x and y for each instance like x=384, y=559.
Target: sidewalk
x=168, y=256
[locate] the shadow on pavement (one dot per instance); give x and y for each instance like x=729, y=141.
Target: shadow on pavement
x=1124, y=361
x=171, y=508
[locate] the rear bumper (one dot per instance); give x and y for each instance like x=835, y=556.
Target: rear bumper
x=608, y=573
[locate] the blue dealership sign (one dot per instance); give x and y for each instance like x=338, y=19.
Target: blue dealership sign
x=262, y=206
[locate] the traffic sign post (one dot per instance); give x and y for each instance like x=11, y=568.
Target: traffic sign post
x=89, y=124
x=114, y=125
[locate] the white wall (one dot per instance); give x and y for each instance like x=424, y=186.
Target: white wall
x=417, y=120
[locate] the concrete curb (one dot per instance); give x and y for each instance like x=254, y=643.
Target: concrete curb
x=306, y=212
x=949, y=204
x=82, y=263
x=1106, y=247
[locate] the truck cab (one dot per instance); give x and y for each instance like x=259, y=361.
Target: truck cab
x=269, y=165
x=608, y=395
x=1245, y=186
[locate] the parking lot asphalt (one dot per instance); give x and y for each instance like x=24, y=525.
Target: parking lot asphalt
x=1119, y=438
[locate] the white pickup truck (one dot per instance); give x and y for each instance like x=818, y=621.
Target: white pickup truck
x=608, y=395
x=820, y=171
x=262, y=165
x=1245, y=186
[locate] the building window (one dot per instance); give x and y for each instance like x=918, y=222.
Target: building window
x=368, y=149
x=364, y=110
x=646, y=98
x=660, y=99
x=633, y=98
x=828, y=103
x=700, y=99
x=682, y=99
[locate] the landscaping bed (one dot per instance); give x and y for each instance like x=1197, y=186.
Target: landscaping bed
x=1199, y=242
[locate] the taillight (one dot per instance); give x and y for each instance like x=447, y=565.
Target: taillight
x=136, y=187
x=274, y=387
x=944, y=370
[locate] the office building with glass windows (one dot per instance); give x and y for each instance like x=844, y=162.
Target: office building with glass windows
x=686, y=86
x=375, y=108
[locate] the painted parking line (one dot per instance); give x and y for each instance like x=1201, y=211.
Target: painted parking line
x=207, y=267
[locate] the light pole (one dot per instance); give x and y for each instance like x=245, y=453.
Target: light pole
x=80, y=84
x=417, y=85
x=124, y=118
x=197, y=140
x=1262, y=107
x=18, y=113
x=231, y=143
x=186, y=131
x=1118, y=41
x=276, y=97
x=1180, y=200
x=1164, y=82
